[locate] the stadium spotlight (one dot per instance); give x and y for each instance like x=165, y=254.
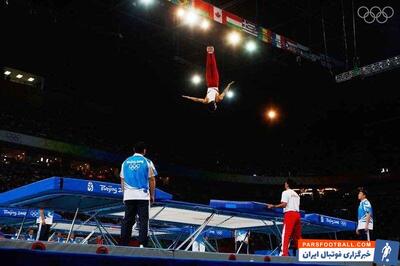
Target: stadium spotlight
x=191, y=18
x=146, y=2
x=251, y=46
x=272, y=114
x=234, y=38
x=19, y=76
x=205, y=24
x=180, y=12
x=230, y=94
x=31, y=79
x=196, y=79
x=7, y=72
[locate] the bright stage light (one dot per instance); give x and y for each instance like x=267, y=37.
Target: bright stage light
x=146, y=2
x=7, y=72
x=205, y=24
x=180, y=12
x=196, y=79
x=234, y=38
x=19, y=76
x=230, y=94
x=191, y=17
x=251, y=46
x=272, y=114
x=31, y=79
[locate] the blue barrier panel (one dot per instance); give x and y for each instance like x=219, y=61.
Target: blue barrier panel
x=325, y=220
x=248, y=206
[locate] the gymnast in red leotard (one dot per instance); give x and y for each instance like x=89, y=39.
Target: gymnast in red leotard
x=212, y=79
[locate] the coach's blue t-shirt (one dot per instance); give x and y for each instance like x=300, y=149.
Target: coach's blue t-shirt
x=136, y=171
x=364, y=208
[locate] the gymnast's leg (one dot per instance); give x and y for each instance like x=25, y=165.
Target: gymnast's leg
x=212, y=75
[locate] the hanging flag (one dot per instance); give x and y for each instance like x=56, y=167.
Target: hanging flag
x=203, y=8
x=291, y=46
x=217, y=14
x=303, y=50
x=264, y=35
x=231, y=20
x=276, y=40
x=221, y=16
x=325, y=60
x=283, y=42
x=180, y=2
x=249, y=27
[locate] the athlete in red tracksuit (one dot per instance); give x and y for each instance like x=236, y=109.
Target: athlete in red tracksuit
x=212, y=79
x=291, y=221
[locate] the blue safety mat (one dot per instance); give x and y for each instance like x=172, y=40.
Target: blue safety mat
x=67, y=194
x=247, y=206
x=324, y=220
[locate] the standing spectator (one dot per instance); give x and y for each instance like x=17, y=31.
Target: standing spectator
x=198, y=245
x=72, y=239
x=242, y=241
x=138, y=186
x=99, y=240
x=290, y=201
x=30, y=236
x=1, y=233
x=60, y=238
x=365, y=216
x=45, y=221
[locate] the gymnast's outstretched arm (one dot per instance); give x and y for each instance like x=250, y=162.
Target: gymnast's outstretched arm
x=198, y=100
x=227, y=88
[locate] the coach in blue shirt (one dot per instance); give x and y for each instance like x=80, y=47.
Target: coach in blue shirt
x=365, y=216
x=138, y=185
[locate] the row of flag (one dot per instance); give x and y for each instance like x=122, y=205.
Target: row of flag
x=231, y=20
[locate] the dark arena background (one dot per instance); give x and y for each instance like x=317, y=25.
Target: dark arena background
x=315, y=100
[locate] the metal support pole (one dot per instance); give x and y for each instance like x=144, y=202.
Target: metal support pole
x=51, y=236
x=174, y=243
x=155, y=215
x=72, y=225
x=199, y=231
x=88, y=237
x=22, y=224
x=101, y=231
x=270, y=241
x=109, y=236
x=279, y=236
x=156, y=238
x=152, y=241
x=241, y=244
x=236, y=247
x=39, y=230
x=208, y=244
x=87, y=220
x=196, y=231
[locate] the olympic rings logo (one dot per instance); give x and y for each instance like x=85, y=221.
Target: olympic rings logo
x=90, y=186
x=134, y=166
x=375, y=14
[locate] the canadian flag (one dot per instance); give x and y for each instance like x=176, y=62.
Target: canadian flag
x=217, y=14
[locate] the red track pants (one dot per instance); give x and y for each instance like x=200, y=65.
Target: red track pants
x=291, y=229
x=212, y=76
